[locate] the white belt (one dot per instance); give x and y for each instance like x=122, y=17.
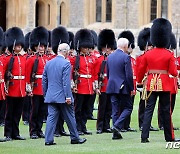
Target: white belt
x=18, y=77
x=38, y=76
x=85, y=76
x=105, y=74
x=134, y=77
x=1, y=80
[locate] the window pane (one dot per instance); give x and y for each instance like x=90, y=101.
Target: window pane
x=108, y=10
x=98, y=10
x=153, y=9
x=49, y=14
x=164, y=8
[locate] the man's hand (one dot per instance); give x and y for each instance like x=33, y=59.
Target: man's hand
x=68, y=101
x=98, y=92
x=75, y=90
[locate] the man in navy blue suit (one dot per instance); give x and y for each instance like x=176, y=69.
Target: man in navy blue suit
x=58, y=95
x=120, y=85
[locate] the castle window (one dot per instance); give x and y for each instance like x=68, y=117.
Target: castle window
x=153, y=9
x=108, y=10
x=98, y=10
x=164, y=8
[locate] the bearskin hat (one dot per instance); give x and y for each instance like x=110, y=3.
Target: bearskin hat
x=128, y=35
x=59, y=35
x=49, y=38
x=160, y=33
x=14, y=36
x=1, y=37
x=27, y=41
x=144, y=39
x=173, y=42
x=83, y=39
x=39, y=35
x=71, y=40
x=95, y=37
x=106, y=39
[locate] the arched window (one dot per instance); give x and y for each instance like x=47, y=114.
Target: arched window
x=153, y=9
x=98, y=10
x=164, y=8
x=40, y=15
x=49, y=14
x=62, y=15
x=108, y=10
x=3, y=14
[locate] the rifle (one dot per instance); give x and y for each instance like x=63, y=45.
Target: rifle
x=76, y=69
x=9, y=75
x=34, y=71
x=101, y=74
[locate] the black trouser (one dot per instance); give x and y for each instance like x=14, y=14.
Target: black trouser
x=14, y=108
x=173, y=100
x=81, y=107
x=26, y=108
x=128, y=120
x=164, y=100
x=141, y=111
x=91, y=106
x=59, y=126
x=104, y=112
x=37, y=113
x=2, y=110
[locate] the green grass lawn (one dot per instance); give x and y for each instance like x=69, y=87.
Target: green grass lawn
x=97, y=143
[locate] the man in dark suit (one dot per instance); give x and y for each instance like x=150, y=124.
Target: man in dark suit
x=120, y=85
x=58, y=95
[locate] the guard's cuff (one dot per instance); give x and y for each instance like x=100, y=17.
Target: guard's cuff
x=96, y=84
x=72, y=84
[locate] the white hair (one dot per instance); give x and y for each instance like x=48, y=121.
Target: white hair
x=122, y=42
x=64, y=47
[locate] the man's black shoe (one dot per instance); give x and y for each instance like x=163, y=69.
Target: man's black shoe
x=2, y=124
x=175, y=140
x=41, y=135
x=87, y=132
x=26, y=123
x=2, y=140
x=19, y=138
x=99, y=132
x=131, y=130
x=80, y=133
x=49, y=143
x=116, y=134
x=63, y=133
x=161, y=128
x=34, y=136
x=153, y=129
x=123, y=130
x=8, y=138
x=57, y=135
x=80, y=141
x=144, y=140
x=109, y=130
x=92, y=118
x=176, y=128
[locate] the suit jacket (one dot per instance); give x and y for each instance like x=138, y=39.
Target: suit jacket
x=119, y=73
x=56, y=80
